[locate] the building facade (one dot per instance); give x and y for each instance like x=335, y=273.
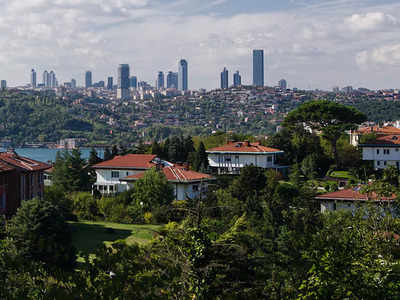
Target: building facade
x=224, y=79
x=172, y=80
x=160, y=80
x=33, y=79
x=237, y=79
x=88, y=79
x=383, y=152
x=123, y=82
x=258, y=68
x=183, y=75
x=282, y=84
x=232, y=157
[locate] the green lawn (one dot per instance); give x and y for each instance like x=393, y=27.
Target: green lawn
x=87, y=236
x=341, y=174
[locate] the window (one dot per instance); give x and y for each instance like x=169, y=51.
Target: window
x=195, y=188
x=397, y=149
x=378, y=163
x=127, y=173
x=228, y=159
x=269, y=159
x=384, y=163
x=386, y=151
x=114, y=174
x=377, y=151
x=111, y=188
x=237, y=159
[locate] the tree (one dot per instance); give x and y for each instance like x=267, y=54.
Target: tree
x=152, y=190
x=39, y=231
x=107, y=154
x=93, y=157
x=252, y=180
x=331, y=118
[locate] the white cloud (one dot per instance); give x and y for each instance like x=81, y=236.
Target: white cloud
x=387, y=55
x=371, y=21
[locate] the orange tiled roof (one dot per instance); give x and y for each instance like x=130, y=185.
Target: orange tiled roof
x=353, y=195
x=14, y=160
x=389, y=140
x=5, y=168
x=175, y=174
x=129, y=161
x=245, y=147
x=379, y=130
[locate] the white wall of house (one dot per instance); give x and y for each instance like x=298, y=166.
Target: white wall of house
x=184, y=191
x=240, y=160
x=328, y=206
x=108, y=180
x=382, y=156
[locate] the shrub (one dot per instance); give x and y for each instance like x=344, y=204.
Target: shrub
x=85, y=206
x=148, y=217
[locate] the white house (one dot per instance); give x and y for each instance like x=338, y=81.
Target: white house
x=351, y=199
x=109, y=173
x=230, y=158
x=186, y=183
x=384, y=151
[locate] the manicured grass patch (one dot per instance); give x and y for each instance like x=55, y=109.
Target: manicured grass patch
x=341, y=174
x=87, y=236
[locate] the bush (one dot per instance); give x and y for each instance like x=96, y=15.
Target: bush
x=148, y=217
x=85, y=206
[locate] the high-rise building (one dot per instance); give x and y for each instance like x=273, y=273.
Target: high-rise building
x=88, y=79
x=52, y=80
x=160, y=80
x=123, y=82
x=46, y=79
x=224, y=79
x=110, y=83
x=33, y=79
x=134, y=82
x=282, y=84
x=183, y=75
x=172, y=80
x=3, y=84
x=258, y=67
x=237, y=79
x=73, y=83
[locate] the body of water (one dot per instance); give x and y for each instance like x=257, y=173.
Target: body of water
x=45, y=155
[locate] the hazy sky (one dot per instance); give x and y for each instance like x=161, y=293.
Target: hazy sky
x=311, y=43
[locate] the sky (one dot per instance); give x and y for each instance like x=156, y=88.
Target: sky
x=311, y=43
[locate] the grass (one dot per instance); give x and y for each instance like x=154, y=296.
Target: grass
x=341, y=174
x=87, y=236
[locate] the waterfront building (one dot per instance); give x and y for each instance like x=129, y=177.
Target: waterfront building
x=183, y=75
x=258, y=68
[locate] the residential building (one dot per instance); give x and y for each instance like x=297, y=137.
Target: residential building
x=379, y=131
x=33, y=79
x=224, y=79
x=232, y=157
x=110, y=83
x=383, y=151
x=258, y=68
x=160, y=81
x=282, y=84
x=3, y=84
x=187, y=184
x=172, y=80
x=110, y=172
x=123, y=92
x=88, y=79
x=237, y=79
x=21, y=179
x=352, y=199
x=183, y=75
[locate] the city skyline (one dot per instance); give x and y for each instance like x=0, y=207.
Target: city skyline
x=313, y=44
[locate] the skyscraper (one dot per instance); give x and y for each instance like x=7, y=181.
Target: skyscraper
x=73, y=83
x=237, y=79
x=224, y=79
x=110, y=83
x=172, y=80
x=3, y=84
x=134, y=82
x=33, y=78
x=183, y=75
x=46, y=79
x=52, y=80
x=282, y=84
x=123, y=82
x=258, y=67
x=160, y=80
x=88, y=79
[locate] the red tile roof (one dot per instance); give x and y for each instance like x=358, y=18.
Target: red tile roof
x=353, y=195
x=5, y=168
x=12, y=159
x=175, y=174
x=389, y=140
x=379, y=130
x=129, y=161
x=245, y=147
